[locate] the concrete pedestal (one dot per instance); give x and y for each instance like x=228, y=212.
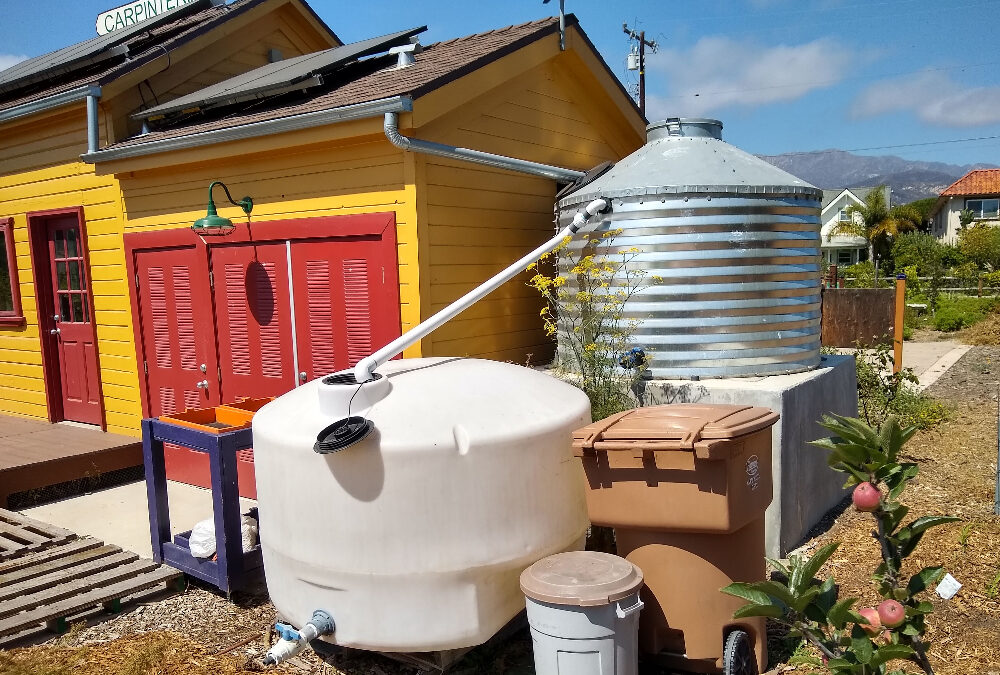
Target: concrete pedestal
x=805, y=488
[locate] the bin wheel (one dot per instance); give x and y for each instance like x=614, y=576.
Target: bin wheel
x=738, y=657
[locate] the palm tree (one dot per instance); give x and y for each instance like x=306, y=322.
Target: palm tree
x=877, y=222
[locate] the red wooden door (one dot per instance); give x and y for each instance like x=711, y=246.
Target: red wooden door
x=346, y=301
x=175, y=312
x=253, y=319
x=178, y=345
x=73, y=320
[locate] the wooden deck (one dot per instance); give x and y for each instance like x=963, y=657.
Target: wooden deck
x=35, y=454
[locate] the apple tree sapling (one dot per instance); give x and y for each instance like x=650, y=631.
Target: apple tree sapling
x=859, y=641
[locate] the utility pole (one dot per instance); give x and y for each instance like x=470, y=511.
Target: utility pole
x=643, y=43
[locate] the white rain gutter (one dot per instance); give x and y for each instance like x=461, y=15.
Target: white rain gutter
x=254, y=129
x=365, y=369
x=452, y=152
x=63, y=98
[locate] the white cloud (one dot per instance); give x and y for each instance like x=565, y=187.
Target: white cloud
x=718, y=71
x=933, y=97
x=8, y=60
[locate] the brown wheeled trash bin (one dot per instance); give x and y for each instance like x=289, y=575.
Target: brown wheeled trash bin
x=685, y=487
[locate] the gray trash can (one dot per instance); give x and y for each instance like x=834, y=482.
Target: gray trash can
x=583, y=609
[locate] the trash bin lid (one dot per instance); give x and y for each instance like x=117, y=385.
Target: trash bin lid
x=678, y=426
x=583, y=578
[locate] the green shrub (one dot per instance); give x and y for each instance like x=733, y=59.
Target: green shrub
x=950, y=319
x=882, y=393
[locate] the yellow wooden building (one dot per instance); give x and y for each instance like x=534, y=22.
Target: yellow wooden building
x=352, y=239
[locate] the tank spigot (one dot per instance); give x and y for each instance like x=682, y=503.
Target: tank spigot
x=293, y=641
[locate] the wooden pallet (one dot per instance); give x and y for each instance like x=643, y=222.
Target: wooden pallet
x=43, y=588
x=20, y=535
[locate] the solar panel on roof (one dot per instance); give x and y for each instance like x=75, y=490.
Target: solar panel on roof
x=88, y=52
x=300, y=72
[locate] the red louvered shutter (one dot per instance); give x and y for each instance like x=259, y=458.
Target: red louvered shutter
x=347, y=301
x=253, y=319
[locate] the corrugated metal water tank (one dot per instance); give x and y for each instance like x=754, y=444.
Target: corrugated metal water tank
x=736, y=243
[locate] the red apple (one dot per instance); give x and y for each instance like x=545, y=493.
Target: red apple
x=891, y=613
x=874, y=624
x=866, y=497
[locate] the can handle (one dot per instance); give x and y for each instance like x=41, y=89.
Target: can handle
x=629, y=611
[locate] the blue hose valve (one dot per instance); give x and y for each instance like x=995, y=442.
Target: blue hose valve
x=633, y=358
x=286, y=632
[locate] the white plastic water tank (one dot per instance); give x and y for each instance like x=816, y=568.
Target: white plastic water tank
x=414, y=538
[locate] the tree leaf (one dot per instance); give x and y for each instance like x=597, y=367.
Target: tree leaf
x=778, y=565
x=890, y=652
x=923, y=579
x=748, y=593
x=775, y=590
x=811, y=568
x=772, y=611
x=862, y=645
x=927, y=522
x=838, y=614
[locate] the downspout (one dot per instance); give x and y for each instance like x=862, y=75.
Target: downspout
x=93, y=127
x=489, y=159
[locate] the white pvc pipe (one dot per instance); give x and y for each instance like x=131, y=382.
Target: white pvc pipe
x=365, y=369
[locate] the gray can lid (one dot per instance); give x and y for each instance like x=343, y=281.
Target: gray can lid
x=582, y=578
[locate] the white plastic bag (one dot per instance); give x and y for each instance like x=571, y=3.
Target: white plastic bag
x=202, y=541
x=248, y=532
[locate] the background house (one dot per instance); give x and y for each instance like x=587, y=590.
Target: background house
x=977, y=191
x=841, y=249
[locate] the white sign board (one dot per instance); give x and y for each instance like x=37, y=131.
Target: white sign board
x=133, y=13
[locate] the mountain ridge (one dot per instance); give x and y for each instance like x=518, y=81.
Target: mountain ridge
x=835, y=169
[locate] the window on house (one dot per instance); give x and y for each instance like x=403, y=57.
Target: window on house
x=844, y=256
x=10, y=292
x=843, y=216
x=983, y=208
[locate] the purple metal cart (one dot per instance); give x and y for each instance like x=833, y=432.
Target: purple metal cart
x=232, y=569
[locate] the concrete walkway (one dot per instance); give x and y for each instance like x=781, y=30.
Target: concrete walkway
x=119, y=515
x=928, y=360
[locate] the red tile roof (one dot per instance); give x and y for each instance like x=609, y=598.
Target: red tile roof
x=977, y=182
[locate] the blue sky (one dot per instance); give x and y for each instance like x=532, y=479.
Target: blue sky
x=783, y=75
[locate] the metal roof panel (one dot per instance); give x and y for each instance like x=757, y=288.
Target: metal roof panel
x=89, y=51
x=300, y=72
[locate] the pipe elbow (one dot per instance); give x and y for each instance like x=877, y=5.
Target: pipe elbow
x=365, y=369
x=391, y=128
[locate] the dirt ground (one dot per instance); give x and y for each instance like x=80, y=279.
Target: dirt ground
x=958, y=467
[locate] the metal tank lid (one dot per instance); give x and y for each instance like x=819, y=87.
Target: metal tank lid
x=688, y=155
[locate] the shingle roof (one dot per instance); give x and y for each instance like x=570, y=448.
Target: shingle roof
x=377, y=78
x=976, y=182
x=860, y=192
x=144, y=47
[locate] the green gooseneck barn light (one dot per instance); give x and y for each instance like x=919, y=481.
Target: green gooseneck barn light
x=213, y=223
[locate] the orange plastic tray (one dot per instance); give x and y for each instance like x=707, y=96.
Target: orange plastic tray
x=219, y=419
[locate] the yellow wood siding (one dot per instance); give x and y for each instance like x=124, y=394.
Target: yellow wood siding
x=40, y=170
x=481, y=219
x=321, y=179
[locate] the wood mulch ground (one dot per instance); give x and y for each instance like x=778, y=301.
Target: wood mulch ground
x=200, y=632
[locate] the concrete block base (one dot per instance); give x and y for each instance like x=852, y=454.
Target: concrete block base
x=805, y=488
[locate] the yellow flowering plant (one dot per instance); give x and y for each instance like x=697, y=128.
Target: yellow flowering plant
x=587, y=284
